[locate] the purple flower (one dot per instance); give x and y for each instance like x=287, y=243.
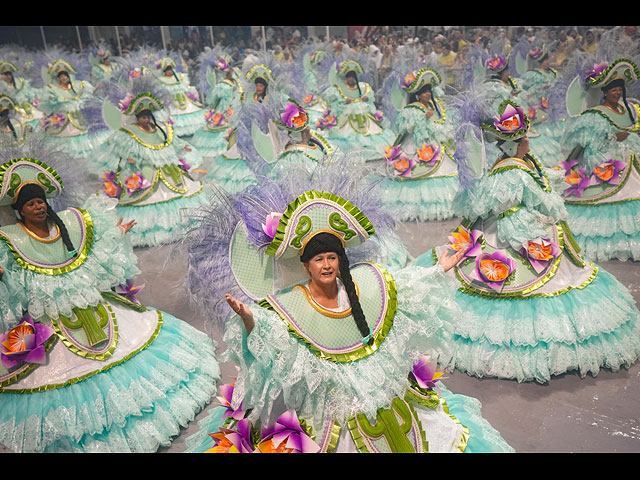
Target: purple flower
x=224, y=399
x=540, y=252
x=294, y=116
x=233, y=441
x=511, y=120
x=222, y=65
x=402, y=166
x=112, y=187
x=379, y=116
x=287, y=435
x=271, y=225
x=24, y=343
x=597, y=70
x=467, y=241
x=184, y=165
x=136, y=182
x=129, y=290
x=392, y=153
x=125, y=102
x=425, y=374
x=494, y=269
x=496, y=63
x=578, y=181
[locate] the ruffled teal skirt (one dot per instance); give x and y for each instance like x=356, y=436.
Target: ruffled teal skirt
x=537, y=338
x=162, y=223
x=136, y=406
x=483, y=438
x=231, y=175
x=425, y=200
x=608, y=231
x=187, y=124
x=209, y=144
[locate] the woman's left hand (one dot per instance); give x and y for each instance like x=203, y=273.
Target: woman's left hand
x=449, y=261
x=187, y=149
x=125, y=227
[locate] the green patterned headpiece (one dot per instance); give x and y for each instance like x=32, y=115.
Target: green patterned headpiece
x=143, y=101
x=19, y=172
x=61, y=66
x=586, y=92
x=318, y=56
x=511, y=125
x=316, y=212
x=349, y=65
x=6, y=103
x=416, y=80
x=260, y=71
x=7, y=67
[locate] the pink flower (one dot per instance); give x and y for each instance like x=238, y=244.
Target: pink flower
x=271, y=225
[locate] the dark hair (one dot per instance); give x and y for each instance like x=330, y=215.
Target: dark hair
x=352, y=73
x=619, y=82
x=147, y=111
x=326, y=242
x=5, y=113
x=31, y=191
x=424, y=88
x=262, y=81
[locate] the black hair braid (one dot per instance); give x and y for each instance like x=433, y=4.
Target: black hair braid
x=356, y=308
x=13, y=130
x=158, y=126
x=64, y=233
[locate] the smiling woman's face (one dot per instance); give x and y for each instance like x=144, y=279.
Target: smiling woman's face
x=323, y=268
x=34, y=211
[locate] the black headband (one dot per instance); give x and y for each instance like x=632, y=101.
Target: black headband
x=29, y=192
x=322, y=243
x=618, y=82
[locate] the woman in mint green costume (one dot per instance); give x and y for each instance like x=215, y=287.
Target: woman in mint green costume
x=224, y=93
x=148, y=168
x=63, y=105
x=528, y=294
x=20, y=89
x=325, y=353
x=352, y=103
x=13, y=131
x=538, y=79
x=85, y=367
x=602, y=169
x=421, y=173
x=186, y=109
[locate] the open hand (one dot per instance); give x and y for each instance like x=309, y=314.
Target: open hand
x=242, y=311
x=125, y=227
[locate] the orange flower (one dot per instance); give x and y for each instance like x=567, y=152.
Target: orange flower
x=539, y=251
x=268, y=447
x=426, y=152
x=494, y=270
x=299, y=120
x=224, y=444
x=512, y=123
x=604, y=172
x=573, y=177
x=462, y=239
x=17, y=338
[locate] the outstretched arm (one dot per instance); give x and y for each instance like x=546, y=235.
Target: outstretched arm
x=241, y=310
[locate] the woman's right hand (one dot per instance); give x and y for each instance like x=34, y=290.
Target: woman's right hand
x=1, y=272
x=242, y=311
